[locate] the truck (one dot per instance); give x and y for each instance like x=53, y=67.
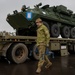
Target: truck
x=17, y=48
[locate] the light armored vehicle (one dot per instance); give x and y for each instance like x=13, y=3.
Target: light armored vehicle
x=58, y=19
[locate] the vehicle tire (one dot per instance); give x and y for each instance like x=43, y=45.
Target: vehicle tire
x=55, y=30
x=65, y=32
x=34, y=53
x=72, y=32
x=17, y=53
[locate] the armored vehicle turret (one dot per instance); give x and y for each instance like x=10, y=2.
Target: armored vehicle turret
x=58, y=19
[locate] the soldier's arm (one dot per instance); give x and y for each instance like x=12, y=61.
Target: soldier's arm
x=47, y=35
x=37, y=43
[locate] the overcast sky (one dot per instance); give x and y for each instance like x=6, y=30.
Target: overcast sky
x=8, y=6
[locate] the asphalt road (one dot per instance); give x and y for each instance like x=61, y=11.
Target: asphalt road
x=61, y=66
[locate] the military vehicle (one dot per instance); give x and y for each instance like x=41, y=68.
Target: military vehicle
x=58, y=19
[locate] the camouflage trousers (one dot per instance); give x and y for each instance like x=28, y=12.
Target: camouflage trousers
x=42, y=56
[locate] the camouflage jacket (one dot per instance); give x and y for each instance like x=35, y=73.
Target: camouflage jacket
x=43, y=35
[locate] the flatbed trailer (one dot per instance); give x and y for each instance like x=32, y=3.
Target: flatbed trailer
x=18, y=48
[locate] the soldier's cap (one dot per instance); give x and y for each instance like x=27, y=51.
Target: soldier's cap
x=38, y=20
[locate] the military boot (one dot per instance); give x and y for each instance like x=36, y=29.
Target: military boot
x=48, y=65
x=38, y=70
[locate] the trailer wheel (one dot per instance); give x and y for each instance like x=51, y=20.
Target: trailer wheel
x=34, y=53
x=55, y=30
x=65, y=32
x=73, y=33
x=17, y=53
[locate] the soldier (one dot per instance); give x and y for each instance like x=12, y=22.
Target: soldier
x=43, y=38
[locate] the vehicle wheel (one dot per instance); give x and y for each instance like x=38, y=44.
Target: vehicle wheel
x=65, y=32
x=46, y=24
x=17, y=53
x=73, y=33
x=55, y=30
x=34, y=53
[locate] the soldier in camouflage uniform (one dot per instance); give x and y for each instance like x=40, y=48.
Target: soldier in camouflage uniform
x=43, y=38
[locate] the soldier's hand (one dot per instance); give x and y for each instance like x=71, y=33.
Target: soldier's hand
x=37, y=45
x=47, y=45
